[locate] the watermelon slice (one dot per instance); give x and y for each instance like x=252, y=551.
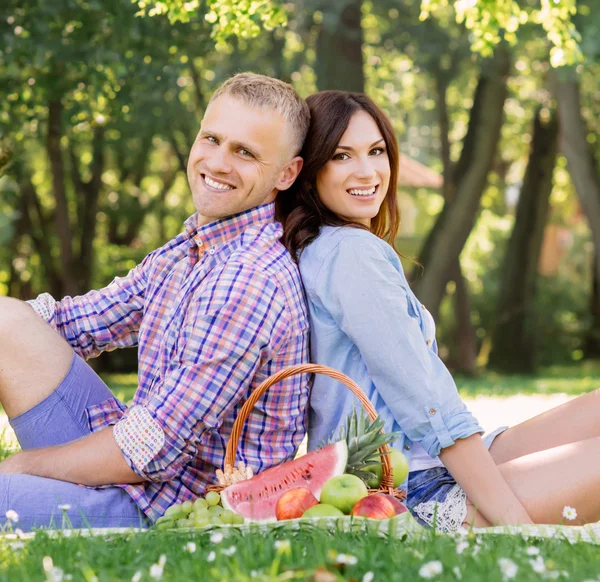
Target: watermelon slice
x=256, y=498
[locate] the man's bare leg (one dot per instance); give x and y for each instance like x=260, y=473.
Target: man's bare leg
x=34, y=359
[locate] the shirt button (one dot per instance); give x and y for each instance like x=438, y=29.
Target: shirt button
x=406, y=448
x=199, y=242
x=212, y=250
x=432, y=411
x=428, y=342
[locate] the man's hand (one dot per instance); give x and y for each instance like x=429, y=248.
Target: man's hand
x=92, y=460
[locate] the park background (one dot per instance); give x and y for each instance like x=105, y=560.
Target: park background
x=497, y=120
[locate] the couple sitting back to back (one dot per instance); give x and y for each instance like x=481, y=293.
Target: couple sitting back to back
x=221, y=307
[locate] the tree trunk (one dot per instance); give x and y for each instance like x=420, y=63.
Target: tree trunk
x=585, y=174
x=448, y=236
x=464, y=350
x=63, y=223
x=339, y=47
x=514, y=334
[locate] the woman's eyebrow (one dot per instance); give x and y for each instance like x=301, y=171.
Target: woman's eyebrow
x=343, y=147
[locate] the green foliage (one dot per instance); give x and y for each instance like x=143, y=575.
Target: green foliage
x=492, y=21
x=238, y=18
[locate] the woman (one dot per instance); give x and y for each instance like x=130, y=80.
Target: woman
x=367, y=323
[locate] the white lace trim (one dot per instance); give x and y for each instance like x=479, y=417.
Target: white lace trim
x=450, y=514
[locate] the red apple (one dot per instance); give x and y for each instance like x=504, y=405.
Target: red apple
x=293, y=503
x=378, y=506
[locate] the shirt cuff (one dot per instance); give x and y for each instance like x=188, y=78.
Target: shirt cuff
x=139, y=437
x=446, y=431
x=44, y=305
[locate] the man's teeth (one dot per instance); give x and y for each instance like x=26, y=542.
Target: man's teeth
x=368, y=192
x=217, y=185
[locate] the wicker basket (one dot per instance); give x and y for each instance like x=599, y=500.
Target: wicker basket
x=387, y=480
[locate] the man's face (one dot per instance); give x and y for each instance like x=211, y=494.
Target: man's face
x=241, y=158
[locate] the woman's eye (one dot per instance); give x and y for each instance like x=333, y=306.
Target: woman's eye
x=377, y=151
x=341, y=156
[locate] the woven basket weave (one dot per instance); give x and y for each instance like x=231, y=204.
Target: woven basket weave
x=387, y=479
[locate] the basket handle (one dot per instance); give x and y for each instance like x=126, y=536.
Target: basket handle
x=387, y=479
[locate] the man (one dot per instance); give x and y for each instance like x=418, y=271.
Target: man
x=214, y=312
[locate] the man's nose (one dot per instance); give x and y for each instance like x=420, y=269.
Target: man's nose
x=219, y=161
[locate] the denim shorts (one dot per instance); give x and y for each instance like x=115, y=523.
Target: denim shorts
x=59, y=419
x=434, y=496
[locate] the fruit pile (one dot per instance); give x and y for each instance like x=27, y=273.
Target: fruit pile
x=204, y=511
x=331, y=481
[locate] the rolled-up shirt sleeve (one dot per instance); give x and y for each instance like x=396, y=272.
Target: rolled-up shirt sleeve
x=101, y=320
x=237, y=325
x=368, y=297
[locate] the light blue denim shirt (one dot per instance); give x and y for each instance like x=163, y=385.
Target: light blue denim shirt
x=367, y=323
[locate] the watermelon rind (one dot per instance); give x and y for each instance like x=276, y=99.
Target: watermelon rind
x=256, y=498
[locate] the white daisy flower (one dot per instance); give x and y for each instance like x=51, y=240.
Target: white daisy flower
x=346, y=559
x=137, y=576
x=17, y=545
x=533, y=551
x=162, y=560
x=282, y=545
x=368, y=577
x=431, y=569
x=12, y=515
x=538, y=565
x=211, y=557
x=568, y=512
x=508, y=567
x=190, y=547
x=217, y=537
x=64, y=507
x=156, y=571
x=461, y=546
x=456, y=571
x=229, y=551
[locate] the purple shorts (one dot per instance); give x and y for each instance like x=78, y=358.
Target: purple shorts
x=59, y=419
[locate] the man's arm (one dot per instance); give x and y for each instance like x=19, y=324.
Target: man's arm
x=93, y=460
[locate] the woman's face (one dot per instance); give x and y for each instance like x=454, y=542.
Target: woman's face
x=353, y=184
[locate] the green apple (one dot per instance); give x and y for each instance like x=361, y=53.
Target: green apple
x=343, y=492
x=400, y=466
x=322, y=510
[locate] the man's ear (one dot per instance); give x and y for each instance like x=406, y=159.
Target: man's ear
x=289, y=173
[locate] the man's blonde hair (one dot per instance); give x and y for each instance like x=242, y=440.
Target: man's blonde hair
x=269, y=93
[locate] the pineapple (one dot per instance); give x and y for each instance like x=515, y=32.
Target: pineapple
x=364, y=438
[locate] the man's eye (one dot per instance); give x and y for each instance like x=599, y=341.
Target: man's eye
x=377, y=151
x=246, y=153
x=211, y=139
x=341, y=156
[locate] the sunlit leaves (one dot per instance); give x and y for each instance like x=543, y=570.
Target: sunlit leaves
x=228, y=18
x=491, y=21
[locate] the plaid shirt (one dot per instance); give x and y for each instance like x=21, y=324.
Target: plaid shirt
x=214, y=312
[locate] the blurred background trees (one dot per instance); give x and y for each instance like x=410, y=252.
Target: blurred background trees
x=495, y=109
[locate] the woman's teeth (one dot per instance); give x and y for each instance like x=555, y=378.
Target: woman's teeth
x=368, y=192
x=217, y=185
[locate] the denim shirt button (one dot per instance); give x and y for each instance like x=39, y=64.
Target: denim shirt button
x=428, y=342
x=406, y=447
x=432, y=411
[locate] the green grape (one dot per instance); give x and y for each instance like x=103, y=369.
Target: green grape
x=215, y=519
x=182, y=523
x=227, y=516
x=164, y=523
x=175, y=511
x=215, y=509
x=238, y=519
x=201, y=513
x=201, y=520
x=212, y=498
x=187, y=506
x=200, y=503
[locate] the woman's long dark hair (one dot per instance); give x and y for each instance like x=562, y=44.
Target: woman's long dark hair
x=299, y=209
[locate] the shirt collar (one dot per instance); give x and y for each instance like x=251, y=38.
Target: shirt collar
x=224, y=230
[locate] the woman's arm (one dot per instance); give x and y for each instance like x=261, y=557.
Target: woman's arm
x=471, y=464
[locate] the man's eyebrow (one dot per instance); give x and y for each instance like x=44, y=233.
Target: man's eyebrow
x=343, y=147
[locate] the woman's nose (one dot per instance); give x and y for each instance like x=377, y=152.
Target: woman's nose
x=364, y=169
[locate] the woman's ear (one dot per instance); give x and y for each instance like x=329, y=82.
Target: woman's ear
x=289, y=173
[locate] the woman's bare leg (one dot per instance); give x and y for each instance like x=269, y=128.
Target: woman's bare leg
x=547, y=480
x=576, y=420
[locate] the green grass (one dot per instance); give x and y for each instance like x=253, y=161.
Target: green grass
x=312, y=553
x=554, y=380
